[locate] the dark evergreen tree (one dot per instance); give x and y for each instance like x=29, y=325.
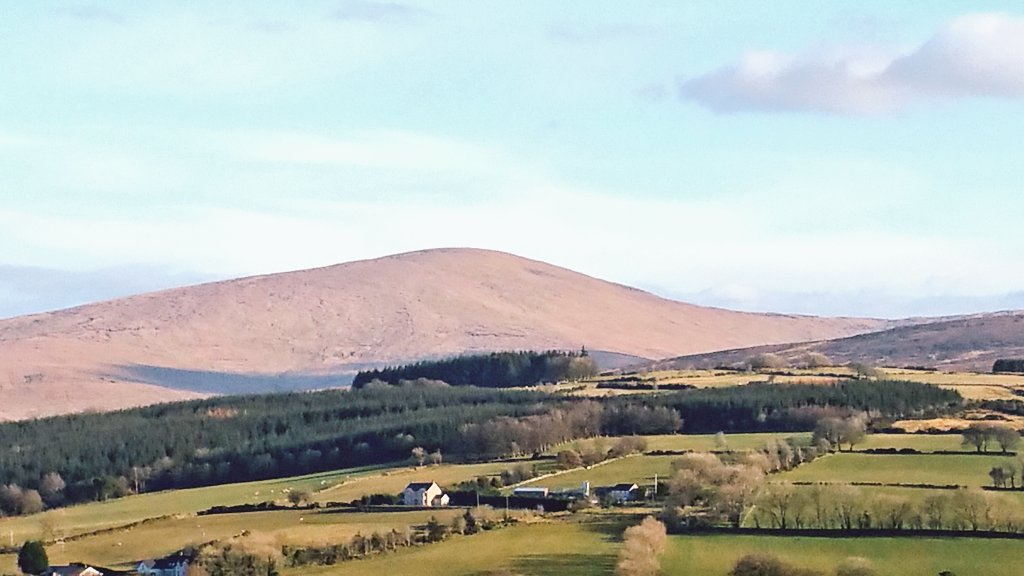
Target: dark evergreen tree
x=32, y=558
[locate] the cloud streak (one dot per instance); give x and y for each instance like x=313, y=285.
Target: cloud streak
x=976, y=55
x=365, y=11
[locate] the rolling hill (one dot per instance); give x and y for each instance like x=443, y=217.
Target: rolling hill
x=314, y=328
x=968, y=343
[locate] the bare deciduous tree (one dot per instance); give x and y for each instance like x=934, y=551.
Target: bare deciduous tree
x=642, y=548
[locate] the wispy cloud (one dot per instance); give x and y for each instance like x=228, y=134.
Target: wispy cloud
x=368, y=11
x=89, y=12
x=976, y=55
x=575, y=33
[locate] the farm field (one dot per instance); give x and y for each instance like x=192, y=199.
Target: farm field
x=919, y=442
x=72, y=520
x=695, y=442
x=395, y=480
x=963, y=470
x=638, y=468
x=714, y=555
x=166, y=535
x=546, y=548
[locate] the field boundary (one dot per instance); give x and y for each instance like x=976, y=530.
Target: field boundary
x=854, y=533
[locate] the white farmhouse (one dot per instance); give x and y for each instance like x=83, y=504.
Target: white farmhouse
x=174, y=565
x=427, y=494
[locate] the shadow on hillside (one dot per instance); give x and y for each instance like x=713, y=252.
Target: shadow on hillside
x=564, y=565
x=211, y=382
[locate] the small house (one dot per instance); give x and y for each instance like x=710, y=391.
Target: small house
x=530, y=492
x=624, y=492
x=73, y=569
x=173, y=565
x=426, y=494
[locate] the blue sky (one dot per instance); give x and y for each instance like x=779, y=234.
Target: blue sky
x=848, y=158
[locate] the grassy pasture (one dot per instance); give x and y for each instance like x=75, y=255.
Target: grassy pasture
x=919, y=442
x=714, y=555
x=394, y=481
x=910, y=469
x=550, y=548
x=640, y=469
x=160, y=537
x=695, y=442
x=72, y=520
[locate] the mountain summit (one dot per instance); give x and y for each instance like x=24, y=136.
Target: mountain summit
x=311, y=328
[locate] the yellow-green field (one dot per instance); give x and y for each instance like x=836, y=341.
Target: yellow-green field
x=971, y=385
x=160, y=537
x=963, y=470
x=395, y=480
x=547, y=548
x=715, y=555
x=695, y=442
x=919, y=442
x=638, y=468
x=72, y=520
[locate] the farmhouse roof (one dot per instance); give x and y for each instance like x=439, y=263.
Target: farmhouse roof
x=417, y=486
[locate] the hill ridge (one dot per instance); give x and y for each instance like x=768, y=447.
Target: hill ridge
x=335, y=319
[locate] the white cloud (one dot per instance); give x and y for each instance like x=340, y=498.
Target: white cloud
x=976, y=55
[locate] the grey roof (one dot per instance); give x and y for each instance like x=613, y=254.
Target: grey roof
x=624, y=487
x=416, y=486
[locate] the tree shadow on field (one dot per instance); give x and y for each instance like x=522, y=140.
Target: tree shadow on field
x=564, y=565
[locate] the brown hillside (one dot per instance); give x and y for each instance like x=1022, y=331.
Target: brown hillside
x=302, y=329
x=970, y=343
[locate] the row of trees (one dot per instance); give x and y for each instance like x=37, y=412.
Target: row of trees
x=707, y=488
x=983, y=435
x=1008, y=365
x=494, y=370
x=839, y=506
x=763, y=564
x=510, y=437
x=83, y=457
x=86, y=457
x=795, y=407
x=598, y=451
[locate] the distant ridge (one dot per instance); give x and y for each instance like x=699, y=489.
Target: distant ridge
x=966, y=343
x=314, y=328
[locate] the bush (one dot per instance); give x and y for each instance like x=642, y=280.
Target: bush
x=767, y=565
x=766, y=361
x=32, y=558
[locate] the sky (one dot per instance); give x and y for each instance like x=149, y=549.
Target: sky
x=837, y=158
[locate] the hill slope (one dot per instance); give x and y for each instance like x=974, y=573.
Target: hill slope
x=303, y=329
x=967, y=343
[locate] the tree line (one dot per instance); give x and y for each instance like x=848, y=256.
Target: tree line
x=494, y=370
x=76, y=458
x=763, y=407
x=1008, y=365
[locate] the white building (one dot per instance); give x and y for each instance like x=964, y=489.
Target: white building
x=175, y=565
x=624, y=492
x=426, y=494
x=531, y=492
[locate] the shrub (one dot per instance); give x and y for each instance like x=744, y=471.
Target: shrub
x=32, y=558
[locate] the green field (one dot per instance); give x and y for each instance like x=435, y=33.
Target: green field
x=694, y=442
x=395, y=480
x=72, y=520
x=548, y=548
x=160, y=537
x=638, y=468
x=889, y=469
x=715, y=555
x=919, y=442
